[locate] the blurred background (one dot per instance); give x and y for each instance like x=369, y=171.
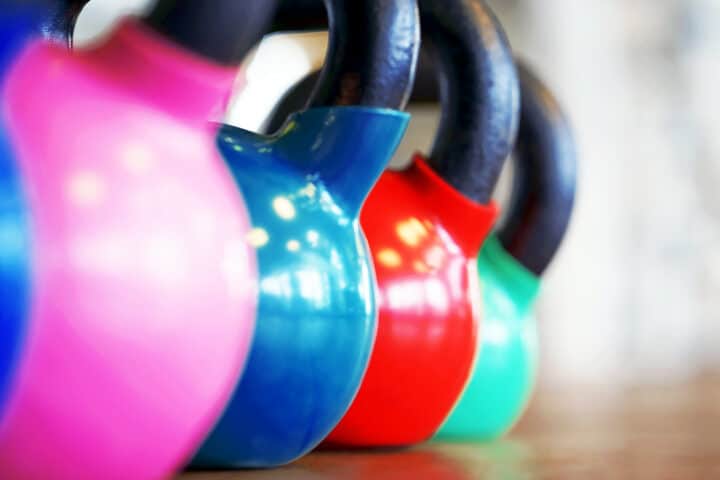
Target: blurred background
x=633, y=296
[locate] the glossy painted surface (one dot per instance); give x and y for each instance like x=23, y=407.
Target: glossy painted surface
x=316, y=314
x=424, y=238
x=142, y=309
x=545, y=178
x=504, y=375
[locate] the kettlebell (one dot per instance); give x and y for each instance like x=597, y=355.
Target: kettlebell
x=304, y=187
x=139, y=301
x=511, y=264
x=20, y=21
x=425, y=226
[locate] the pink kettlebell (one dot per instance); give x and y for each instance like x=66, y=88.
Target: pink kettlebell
x=141, y=294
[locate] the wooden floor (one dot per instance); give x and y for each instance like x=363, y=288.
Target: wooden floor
x=650, y=433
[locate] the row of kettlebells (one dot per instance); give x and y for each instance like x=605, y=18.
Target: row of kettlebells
x=174, y=288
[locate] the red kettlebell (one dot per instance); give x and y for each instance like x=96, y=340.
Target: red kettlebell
x=425, y=226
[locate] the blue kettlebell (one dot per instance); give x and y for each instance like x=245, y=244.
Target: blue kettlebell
x=304, y=188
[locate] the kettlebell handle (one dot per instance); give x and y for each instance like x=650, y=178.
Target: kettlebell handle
x=545, y=178
x=372, y=51
x=479, y=93
x=545, y=163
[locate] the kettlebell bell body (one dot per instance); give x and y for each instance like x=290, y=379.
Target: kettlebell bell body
x=138, y=302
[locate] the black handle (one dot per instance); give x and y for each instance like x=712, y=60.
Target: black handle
x=372, y=54
x=372, y=51
x=479, y=92
x=545, y=178
x=221, y=30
